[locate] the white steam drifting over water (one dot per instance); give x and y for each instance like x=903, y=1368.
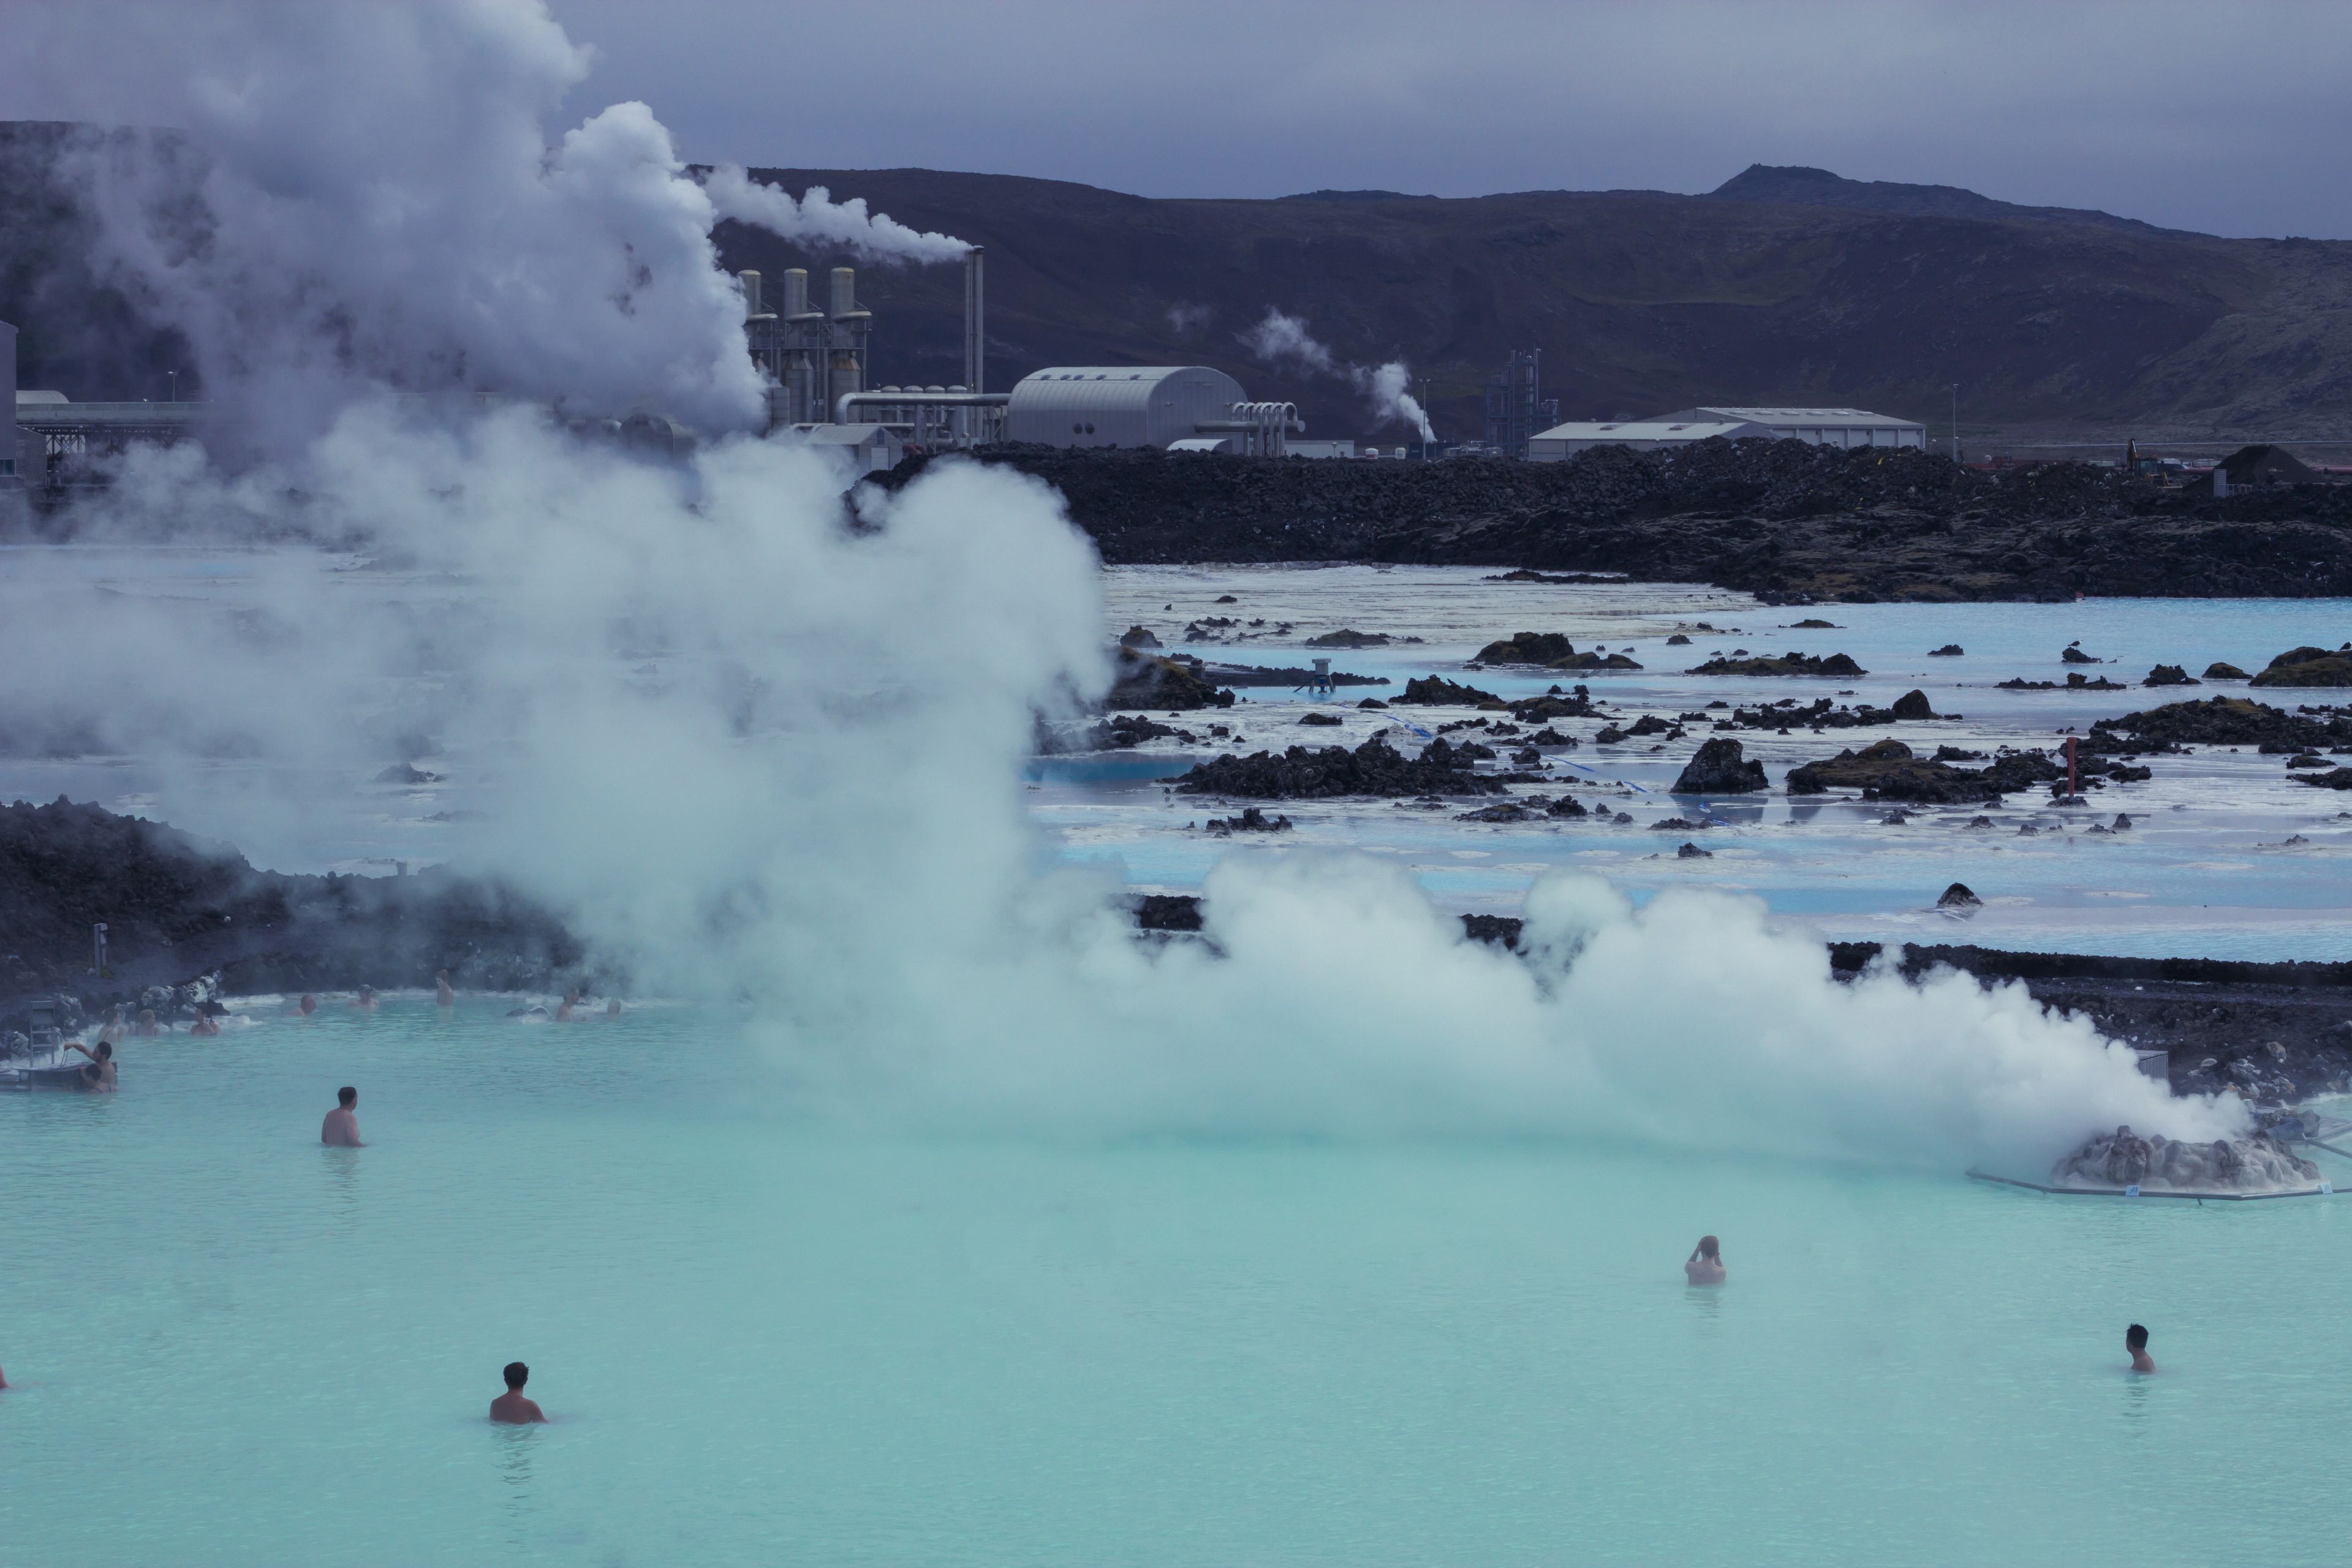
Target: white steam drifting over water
x=767, y=753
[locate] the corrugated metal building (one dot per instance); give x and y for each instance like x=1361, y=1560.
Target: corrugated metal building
x=1820, y=426
x=1642, y=435
x=1119, y=405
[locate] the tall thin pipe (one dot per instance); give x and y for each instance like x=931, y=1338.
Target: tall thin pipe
x=975, y=319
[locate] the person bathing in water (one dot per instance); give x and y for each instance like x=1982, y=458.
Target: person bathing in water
x=341, y=1130
x=2135, y=1342
x=99, y=1076
x=147, y=1028
x=445, y=995
x=1705, y=1265
x=308, y=1005
x=206, y=1026
x=365, y=1000
x=511, y=1408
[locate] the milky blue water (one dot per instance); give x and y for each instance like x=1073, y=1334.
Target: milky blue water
x=767, y=1339
x=2227, y=857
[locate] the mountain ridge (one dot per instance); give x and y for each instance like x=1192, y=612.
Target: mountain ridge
x=2052, y=320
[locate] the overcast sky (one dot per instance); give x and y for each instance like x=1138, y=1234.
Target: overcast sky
x=2233, y=118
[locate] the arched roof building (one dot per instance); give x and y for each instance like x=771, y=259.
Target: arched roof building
x=1120, y=405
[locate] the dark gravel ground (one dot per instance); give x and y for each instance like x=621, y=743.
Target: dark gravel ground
x=1791, y=522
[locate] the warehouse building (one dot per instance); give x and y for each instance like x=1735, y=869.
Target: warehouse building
x=1820, y=426
x=1642, y=435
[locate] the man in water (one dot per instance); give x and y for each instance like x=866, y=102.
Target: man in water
x=511, y=1408
x=308, y=1005
x=206, y=1027
x=1705, y=1265
x=445, y=995
x=341, y=1130
x=99, y=1076
x=365, y=1000
x=2135, y=1342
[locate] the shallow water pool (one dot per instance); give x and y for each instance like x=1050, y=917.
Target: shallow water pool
x=769, y=1338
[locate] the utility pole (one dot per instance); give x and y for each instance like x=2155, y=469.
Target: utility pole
x=175, y=376
x=1956, y=424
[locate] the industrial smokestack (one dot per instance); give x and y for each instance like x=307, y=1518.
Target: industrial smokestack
x=845, y=292
x=975, y=320
x=795, y=292
x=751, y=281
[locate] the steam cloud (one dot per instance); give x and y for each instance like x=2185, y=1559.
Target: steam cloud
x=755, y=751
x=367, y=196
x=1281, y=339
x=816, y=218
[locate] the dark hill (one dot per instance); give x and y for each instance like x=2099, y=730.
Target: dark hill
x=1784, y=287
x=1796, y=185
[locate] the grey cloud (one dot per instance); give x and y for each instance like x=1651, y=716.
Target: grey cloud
x=2226, y=119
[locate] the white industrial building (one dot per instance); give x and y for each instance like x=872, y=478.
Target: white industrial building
x=1642, y=435
x=1145, y=405
x=1820, y=426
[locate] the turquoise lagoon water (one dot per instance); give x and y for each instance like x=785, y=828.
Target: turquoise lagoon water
x=767, y=1338
x=2227, y=857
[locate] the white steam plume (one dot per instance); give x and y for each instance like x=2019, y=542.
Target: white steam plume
x=1281, y=339
x=752, y=750
x=816, y=218
x=729, y=754
x=1385, y=385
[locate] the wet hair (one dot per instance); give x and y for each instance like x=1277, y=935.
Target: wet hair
x=347, y=1097
x=2135, y=1338
x=517, y=1374
x=1710, y=1250
x=105, y=1050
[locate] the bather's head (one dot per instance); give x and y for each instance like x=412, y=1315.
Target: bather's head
x=517, y=1374
x=2136, y=1339
x=105, y=1050
x=347, y=1097
x=1709, y=1250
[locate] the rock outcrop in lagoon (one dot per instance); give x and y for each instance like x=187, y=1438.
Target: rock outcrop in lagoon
x=1375, y=768
x=1889, y=771
x=1718, y=768
x=2308, y=667
x=2157, y=1164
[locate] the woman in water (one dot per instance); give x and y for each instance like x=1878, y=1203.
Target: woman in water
x=1705, y=1265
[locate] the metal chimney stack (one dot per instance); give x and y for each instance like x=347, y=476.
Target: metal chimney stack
x=975, y=320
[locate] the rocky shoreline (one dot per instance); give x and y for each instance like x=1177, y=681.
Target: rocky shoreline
x=187, y=920
x=181, y=912
x=1791, y=523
